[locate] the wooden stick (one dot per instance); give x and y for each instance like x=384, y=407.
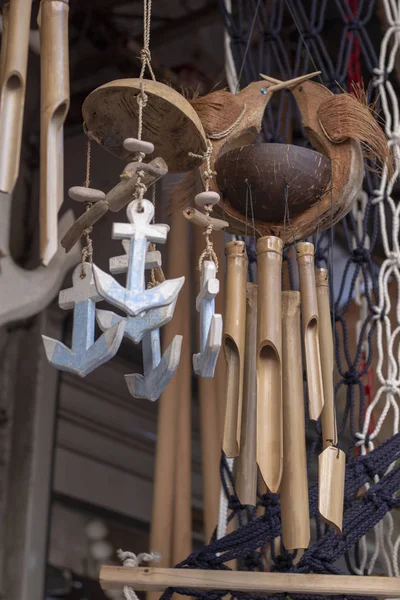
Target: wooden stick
x=12, y=96
x=234, y=343
x=328, y=415
x=54, y=105
x=269, y=370
x=198, y=218
x=294, y=486
x=309, y=313
x=142, y=579
x=118, y=197
x=181, y=324
x=246, y=478
x=209, y=429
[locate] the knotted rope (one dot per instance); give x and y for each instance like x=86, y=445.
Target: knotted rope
x=129, y=559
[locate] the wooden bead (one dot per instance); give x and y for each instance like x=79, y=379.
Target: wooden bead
x=85, y=194
x=134, y=145
x=207, y=198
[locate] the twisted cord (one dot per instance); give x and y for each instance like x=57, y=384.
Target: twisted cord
x=129, y=559
x=87, y=249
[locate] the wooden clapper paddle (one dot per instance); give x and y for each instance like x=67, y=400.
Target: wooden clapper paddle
x=234, y=343
x=332, y=461
x=269, y=361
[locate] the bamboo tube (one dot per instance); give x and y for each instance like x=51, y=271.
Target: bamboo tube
x=309, y=313
x=246, y=478
x=328, y=415
x=5, y=21
x=209, y=430
x=234, y=342
x=181, y=323
x=294, y=487
x=12, y=97
x=269, y=364
x=331, y=471
x=54, y=105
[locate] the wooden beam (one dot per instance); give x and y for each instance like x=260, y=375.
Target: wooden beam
x=157, y=580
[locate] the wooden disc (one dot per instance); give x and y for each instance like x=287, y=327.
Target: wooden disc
x=268, y=168
x=170, y=123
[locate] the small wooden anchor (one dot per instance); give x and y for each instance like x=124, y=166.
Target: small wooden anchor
x=136, y=327
x=134, y=299
x=210, y=323
x=85, y=354
x=158, y=371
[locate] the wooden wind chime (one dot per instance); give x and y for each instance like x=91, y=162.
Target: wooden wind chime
x=267, y=334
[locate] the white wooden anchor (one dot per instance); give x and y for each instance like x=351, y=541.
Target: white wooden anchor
x=85, y=354
x=210, y=323
x=136, y=327
x=158, y=370
x=24, y=293
x=135, y=299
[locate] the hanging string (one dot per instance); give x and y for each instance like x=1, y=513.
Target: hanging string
x=145, y=54
x=87, y=250
x=247, y=45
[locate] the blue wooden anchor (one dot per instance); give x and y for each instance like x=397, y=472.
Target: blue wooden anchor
x=85, y=354
x=136, y=327
x=158, y=370
x=210, y=323
x=135, y=299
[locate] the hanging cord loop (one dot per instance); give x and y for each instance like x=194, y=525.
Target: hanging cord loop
x=129, y=559
x=87, y=250
x=208, y=175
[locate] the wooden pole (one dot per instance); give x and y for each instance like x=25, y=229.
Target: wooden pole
x=209, y=425
x=155, y=579
x=181, y=323
x=54, y=105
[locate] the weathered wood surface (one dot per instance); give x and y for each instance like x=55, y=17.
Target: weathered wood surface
x=169, y=122
x=267, y=169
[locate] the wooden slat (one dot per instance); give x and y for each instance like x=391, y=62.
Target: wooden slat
x=156, y=579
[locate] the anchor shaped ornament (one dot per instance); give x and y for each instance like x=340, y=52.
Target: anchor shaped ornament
x=135, y=299
x=158, y=371
x=86, y=354
x=210, y=324
x=143, y=321
x=136, y=327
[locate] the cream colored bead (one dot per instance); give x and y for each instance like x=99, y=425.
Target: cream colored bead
x=85, y=194
x=134, y=145
x=207, y=198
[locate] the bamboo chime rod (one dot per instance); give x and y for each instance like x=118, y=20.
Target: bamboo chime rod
x=157, y=579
